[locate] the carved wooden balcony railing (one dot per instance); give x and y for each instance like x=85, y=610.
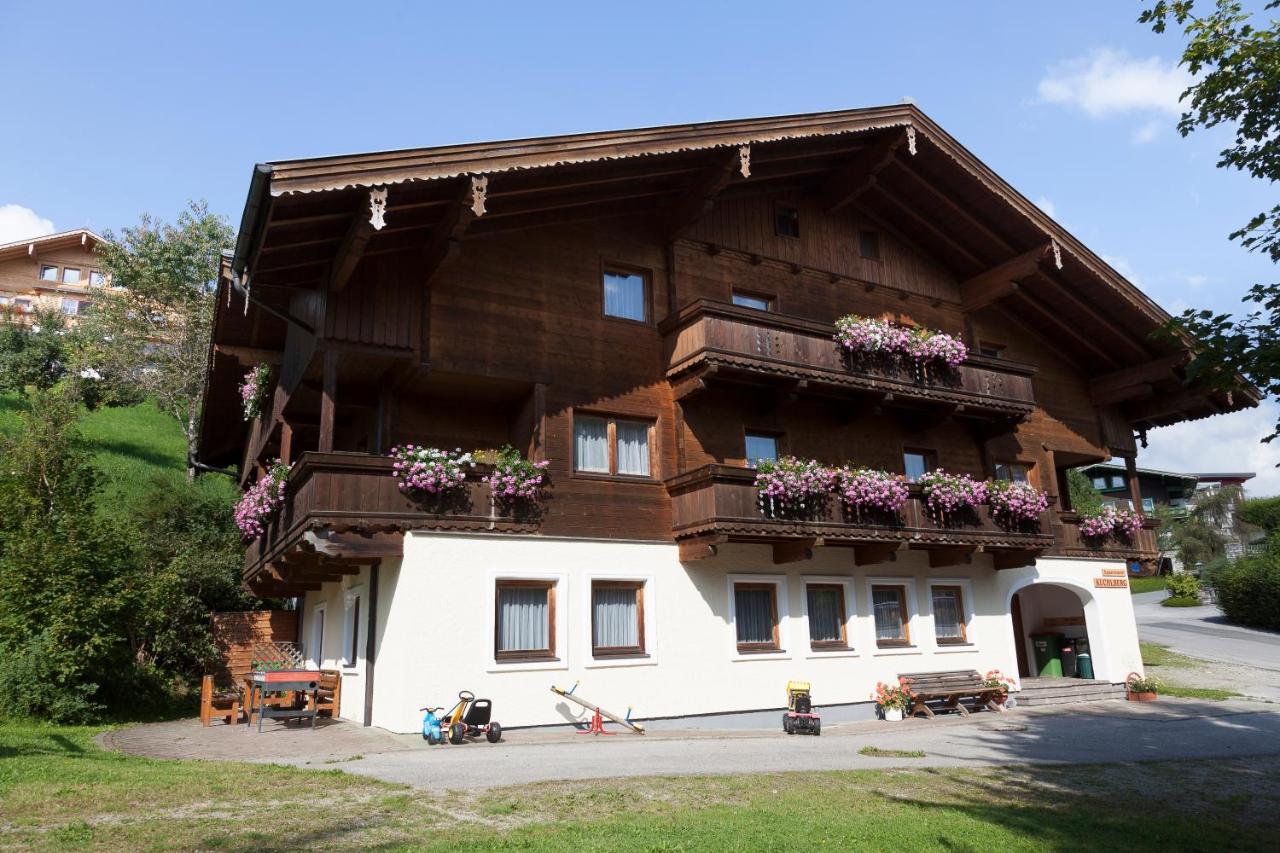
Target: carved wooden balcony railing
x=719, y=503
x=1144, y=546
x=344, y=509
x=711, y=341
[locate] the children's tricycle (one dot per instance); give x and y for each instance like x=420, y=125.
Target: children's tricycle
x=469, y=718
x=799, y=717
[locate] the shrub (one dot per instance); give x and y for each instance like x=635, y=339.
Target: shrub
x=1183, y=585
x=1249, y=591
x=1180, y=601
x=43, y=678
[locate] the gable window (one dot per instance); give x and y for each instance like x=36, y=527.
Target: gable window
x=889, y=603
x=786, y=221
x=526, y=619
x=351, y=630
x=826, y=616
x=617, y=618
x=760, y=446
x=48, y=273
x=916, y=463
x=96, y=278
x=869, y=245
x=626, y=295
x=604, y=445
x=948, y=615
x=1014, y=472
x=755, y=616
x=752, y=300
x=70, y=275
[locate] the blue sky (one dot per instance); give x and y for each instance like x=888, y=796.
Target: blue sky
x=119, y=109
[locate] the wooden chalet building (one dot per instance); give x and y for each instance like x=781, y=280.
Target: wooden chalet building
x=57, y=272
x=650, y=311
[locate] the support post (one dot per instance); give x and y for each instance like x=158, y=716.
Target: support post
x=286, y=442
x=1135, y=489
x=327, y=404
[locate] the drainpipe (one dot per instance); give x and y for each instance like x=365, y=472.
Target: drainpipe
x=371, y=642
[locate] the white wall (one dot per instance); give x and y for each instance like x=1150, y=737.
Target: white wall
x=331, y=602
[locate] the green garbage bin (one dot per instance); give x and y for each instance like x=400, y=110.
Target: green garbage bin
x=1048, y=655
x=1084, y=660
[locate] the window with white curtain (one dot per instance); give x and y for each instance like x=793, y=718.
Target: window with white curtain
x=617, y=617
x=351, y=628
x=948, y=614
x=590, y=444
x=633, y=448
x=889, y=603
x=525, y=619
x=755, y=616
x=603, y=445
x=826, y=615
x=625, y=295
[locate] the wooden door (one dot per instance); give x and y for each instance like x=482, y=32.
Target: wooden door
x=1019, y=638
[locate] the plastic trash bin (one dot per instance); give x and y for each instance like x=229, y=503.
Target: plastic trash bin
x=1067, y=651
x=1084, y=660
x=1048, y=660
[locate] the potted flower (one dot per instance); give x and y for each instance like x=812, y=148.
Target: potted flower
x=1016, y=503
x=933, y=351
x=947, y=495
x=791, y=487
x=866, y=490
x=869, y=339
x=893, y=701
x=429, y=471
x=1127, y=524
x=262, y=501
x=1141, y=688
x=253, y=391
x=515, y=479
x=1096, y=526
x=999, y=684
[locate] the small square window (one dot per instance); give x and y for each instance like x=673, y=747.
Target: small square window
x=755, y=616
x=751, y=300
x=525, y=620
x=990, y=350
x=916, y=463
x=22, y=304
x=948, y=615
x=48, y=273
x=1148, y=505
x=70, y=307
x=1014, y=472
x=96, y=278
x=626, y=295
x=889, y=604
x=1099, y=482
x=617, y=618
x=869, y=245
x=826, y=615
x=70, y=275
x=786, y=221
x=761, y=447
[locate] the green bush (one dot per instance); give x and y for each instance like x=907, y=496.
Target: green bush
x=1180, y=601
x=43, y=678
x=1249, y=591
x=1183, y=585
x=1262, y=512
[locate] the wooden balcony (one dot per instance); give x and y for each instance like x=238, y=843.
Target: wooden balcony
x=345, y=509
x=1070, y=543
x=715, y=342
x=719, y=503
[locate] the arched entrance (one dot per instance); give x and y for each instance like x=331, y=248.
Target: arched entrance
x=1061, y=609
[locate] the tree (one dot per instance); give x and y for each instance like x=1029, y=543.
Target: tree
x=1084, y=497
x=33, y=356
x=153, y=323
x=1235, y=66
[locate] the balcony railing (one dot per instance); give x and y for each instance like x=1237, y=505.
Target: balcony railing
x=1144, y=546
x=709, y=339
x=719, y=503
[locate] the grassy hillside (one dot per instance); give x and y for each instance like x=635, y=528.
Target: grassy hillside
x=133, y=446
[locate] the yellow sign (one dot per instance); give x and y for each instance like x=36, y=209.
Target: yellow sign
x=1114, y=573
x=1118, y=583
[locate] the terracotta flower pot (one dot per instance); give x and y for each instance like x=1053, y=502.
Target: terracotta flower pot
x=1146, y=696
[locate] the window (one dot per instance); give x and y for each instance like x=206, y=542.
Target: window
x=617, y=618
x=1015, y=472
x=915, y=463
x=889, y=604
x=755, y=616
x=1148, y=505
x=70, y=306
x=96, y=278
x=317, y=637
x=826, y=616
x=626, y=295
x=990, y=350
x=1099, y=482
x=526, y=620
x=948, y=615
x=761, y=447
x=70, y=275
x=612, y=446
x=751, y=300
x=786, y=221
x=869, y=245
x=48, y=273
x=22, y=304
x=351, y=631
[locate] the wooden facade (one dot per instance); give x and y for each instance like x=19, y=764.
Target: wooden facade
x=57, y=272
x=453, y=297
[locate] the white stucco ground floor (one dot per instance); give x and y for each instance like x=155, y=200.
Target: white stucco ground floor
x=507, y=617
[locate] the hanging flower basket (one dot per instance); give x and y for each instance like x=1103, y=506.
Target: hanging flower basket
x=429, y=471
x=253, y=391
x=929, y=353
x=514, y=479
x=793, y=488
x=949, y=497
x=262, y=501
x=866, y=491
x=1016, y=504
x=1122, y=524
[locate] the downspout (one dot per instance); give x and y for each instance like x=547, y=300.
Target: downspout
x=371, y=642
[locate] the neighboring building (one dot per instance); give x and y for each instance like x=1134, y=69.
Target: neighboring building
x=58, y=271
x=649, y=311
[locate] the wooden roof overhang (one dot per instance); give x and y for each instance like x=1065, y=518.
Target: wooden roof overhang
x=309, y=223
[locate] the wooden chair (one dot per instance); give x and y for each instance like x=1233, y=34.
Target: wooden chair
x=329, y=695
x=950, y=687
x=218, y=705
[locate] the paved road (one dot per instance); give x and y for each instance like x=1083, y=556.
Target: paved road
x=1100, y=732
x=1200, y=632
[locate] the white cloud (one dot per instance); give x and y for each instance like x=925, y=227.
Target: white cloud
x=19, y=223
x=1146, y=133
x=1109, y=82
x=1047, y=206
x=1222, y=443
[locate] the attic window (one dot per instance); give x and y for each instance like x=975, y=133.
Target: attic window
x=869, y=245
x=786, y=221
x=48, y=273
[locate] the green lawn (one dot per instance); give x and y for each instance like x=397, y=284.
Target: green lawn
x=59, y=790
x=1152, y=584
x=1157, y=659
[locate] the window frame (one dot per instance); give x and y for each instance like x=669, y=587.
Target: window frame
x=318, y=615
x=524, y=655
x=930, y=459
x=990, y=349
x=57, y=273
x=968, y=614
x=1028, y=469
x=604, y=652
x=101, y=275
x=761, y=433
x=62, y=276
x=961, y=608
x=779, y=207
x=904, y=602
x=864, y=233
x=757, y=648
x=842, y=591
x=646, y=277
x=611, y=437
x=352, y=599
x=770, y=301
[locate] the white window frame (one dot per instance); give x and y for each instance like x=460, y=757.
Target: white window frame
x=650, y=656
x=782, y=597
x=354, y=594
x=57, y=273
x=850, y=616
x=564, y=604
x=970, y=644
x=316, y=655
x=912, y=622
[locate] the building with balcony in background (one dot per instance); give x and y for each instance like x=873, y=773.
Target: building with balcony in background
x=58, y=272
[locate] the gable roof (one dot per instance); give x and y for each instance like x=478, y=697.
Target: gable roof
x=33, y=245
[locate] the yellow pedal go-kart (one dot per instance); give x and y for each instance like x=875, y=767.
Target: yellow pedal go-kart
x=470, y=717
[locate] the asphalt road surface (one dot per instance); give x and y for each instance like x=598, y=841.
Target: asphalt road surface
x=1203, y=633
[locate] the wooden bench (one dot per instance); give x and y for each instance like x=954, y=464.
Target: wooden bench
x=950, y=687
x=218, y=704
x=329, y=696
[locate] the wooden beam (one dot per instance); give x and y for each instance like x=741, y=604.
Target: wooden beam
x=446, y=237
x=700, y=548
x=1101, y=319
x=1001, y=281
x=946, y=201
x=1015, y=558
x=354, y=546
x=1027, y=299
x=1135, y=487
x=941, y=556
x=925, y=224
x=870, y=553
x=1139, y=391
x=327, y=401
x=364, y=224
x=1164, y=405
x=794, y=550
x=698, y=199
x=249, y=356
x=843, y=186
x=1159, y=370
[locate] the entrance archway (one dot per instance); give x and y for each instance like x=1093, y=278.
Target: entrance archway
x=1056, y=606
